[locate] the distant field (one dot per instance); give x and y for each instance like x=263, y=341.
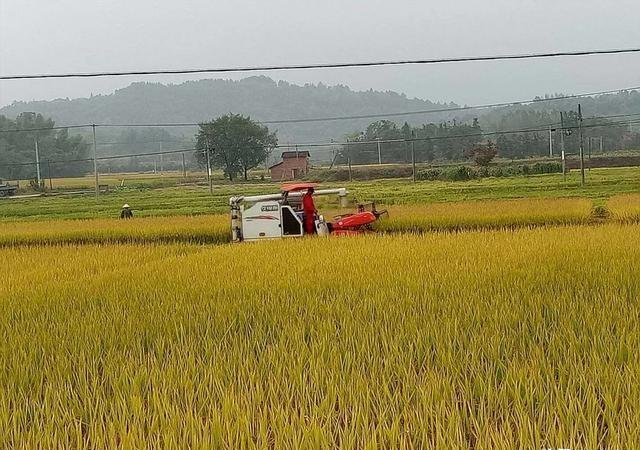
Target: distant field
x=196, y=199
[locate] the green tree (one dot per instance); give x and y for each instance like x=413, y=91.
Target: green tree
x=482, y=154
x=65, y=155
x=235, y=143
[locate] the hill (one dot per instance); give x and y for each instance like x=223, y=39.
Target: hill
x=267, y=100
x=260, y=97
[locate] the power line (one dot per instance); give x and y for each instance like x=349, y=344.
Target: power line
x=310, y=144
x=103, y=158
x=523, y=130
x=324, y=65
x=58, y=127
x=436, y=138
x=336, y=118
x=333, y=144
x=138, y=142
x=443, y=110
x=398, y=113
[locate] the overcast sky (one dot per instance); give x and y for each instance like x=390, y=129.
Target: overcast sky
x=44, y=36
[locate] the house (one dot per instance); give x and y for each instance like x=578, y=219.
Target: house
x=294, y=164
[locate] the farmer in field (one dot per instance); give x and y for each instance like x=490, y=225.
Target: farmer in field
x=310, y=211
x=126, y=212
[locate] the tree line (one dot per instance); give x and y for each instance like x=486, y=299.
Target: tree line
x=387, y=142
x=237, y=144
x=58, y=151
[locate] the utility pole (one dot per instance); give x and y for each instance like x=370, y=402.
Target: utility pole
x=379, y=153
x=581, y=145
x=589, y=157
x=38, y=164
x=161, y=160
x=184, y=167
x=564, y=161
x=601, y=144
x=335, y=155
x=49, y=170
x=95, y=161
x=349, y=161
x=209, y=167
x=550, y=142
x=413, y=154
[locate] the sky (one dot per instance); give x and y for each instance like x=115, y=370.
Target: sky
x=43, y=36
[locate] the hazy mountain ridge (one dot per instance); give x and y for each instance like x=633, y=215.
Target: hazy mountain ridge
x=267, y=100
x=259, y=97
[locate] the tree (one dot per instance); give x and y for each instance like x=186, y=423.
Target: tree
x=235, y=143
x=482, y=154
x=64, y=154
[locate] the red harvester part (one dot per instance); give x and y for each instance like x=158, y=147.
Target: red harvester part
x=354, y=221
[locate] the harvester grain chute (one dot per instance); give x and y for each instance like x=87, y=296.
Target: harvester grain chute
x=280, y=215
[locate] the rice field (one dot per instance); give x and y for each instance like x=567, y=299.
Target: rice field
x=148, y=199
x=215, y=228
x=485, y=340
x=487, y=214
x=211, y=229
x=625, y=208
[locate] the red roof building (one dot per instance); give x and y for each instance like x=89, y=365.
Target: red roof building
x=294, y=165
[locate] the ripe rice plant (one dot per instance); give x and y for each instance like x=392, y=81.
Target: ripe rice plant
x=216, y=228
x=487, y=214
x=625, y=208
x=493, y=339
x=193, y=229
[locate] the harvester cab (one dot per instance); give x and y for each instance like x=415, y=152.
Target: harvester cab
x=274, y=216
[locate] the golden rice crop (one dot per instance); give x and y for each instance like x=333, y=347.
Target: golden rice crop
x=487, y=214
x=216, y=228
x=485, y=340
x=194, y=229
x=625, y=207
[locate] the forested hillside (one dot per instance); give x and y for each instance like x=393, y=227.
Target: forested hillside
x=259, y=97
x=263, y=99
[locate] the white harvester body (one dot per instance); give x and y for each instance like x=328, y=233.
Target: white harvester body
x=271, y=216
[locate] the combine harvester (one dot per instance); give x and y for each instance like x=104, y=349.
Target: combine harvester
x=274, y=216
x=7, y=190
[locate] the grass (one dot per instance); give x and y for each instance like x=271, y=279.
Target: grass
x=189, y=200
x=492, y=339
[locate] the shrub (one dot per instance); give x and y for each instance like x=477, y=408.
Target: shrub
x=482, y=154
x=429, y=174
x=459, y=173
